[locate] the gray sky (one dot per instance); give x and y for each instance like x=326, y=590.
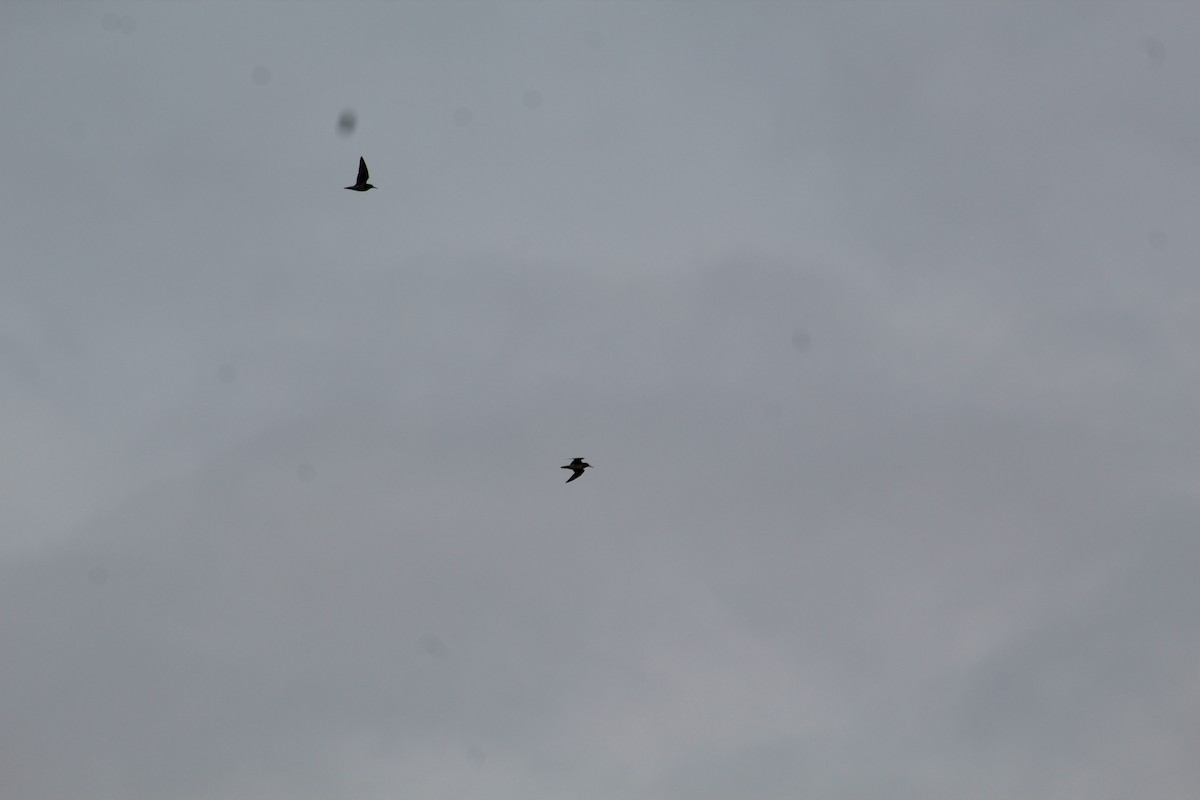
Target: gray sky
x=878, y=322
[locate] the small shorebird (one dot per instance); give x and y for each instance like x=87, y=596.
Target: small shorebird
x=361, y=184
x=577, y=467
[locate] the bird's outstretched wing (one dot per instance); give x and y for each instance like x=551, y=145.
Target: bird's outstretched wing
x=576, y=474
x=362, y=171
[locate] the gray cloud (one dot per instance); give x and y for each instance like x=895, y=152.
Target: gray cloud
x=875, y=321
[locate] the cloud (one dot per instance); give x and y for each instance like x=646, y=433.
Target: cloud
x=876, y=328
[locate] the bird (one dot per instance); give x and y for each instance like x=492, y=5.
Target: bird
x=577, y=467
x=361, y=184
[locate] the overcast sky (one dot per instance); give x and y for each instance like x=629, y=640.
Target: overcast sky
x=879, y=322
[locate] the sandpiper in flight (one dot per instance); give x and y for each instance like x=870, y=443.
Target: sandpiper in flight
x=361, y=184
x=577, y=467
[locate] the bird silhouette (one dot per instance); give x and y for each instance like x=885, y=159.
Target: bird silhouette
x=361, y=184
x=577, y=467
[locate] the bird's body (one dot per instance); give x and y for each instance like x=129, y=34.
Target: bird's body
x=577, y=466
x=361, y=184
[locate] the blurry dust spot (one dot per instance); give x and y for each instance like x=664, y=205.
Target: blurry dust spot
x=462, y=117
x=532, y=99
x=261, y=75
x=433, y=646
x=347, y=122
x=306, y=472
x=801, y=341
x=97, y=576
x=226, y=373
x=475, y=754
x=1157, y=239
x=118, y=22
x=1155, y=50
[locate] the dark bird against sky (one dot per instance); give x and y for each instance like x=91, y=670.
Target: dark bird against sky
x=577, y=466
x=361, y=184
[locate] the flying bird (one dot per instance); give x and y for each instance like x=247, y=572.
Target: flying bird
x=361, y=184
x=577, y=467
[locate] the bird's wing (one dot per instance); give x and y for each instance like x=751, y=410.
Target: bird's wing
x=576, y=474
x=362, y=170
